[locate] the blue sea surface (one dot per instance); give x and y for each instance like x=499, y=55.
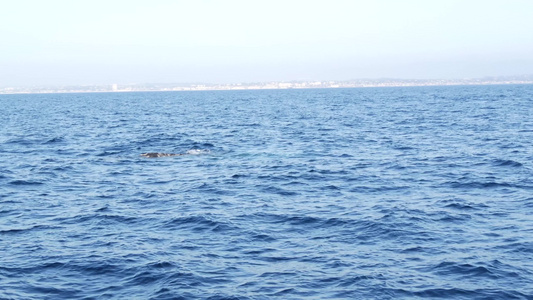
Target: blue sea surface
x=372, y=193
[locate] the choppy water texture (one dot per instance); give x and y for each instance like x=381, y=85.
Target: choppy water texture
x=381, y=193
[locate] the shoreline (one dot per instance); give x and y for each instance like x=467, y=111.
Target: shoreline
x=115, y=88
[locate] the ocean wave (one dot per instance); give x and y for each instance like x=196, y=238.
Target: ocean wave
x=394, y=193
x=507, y=163
x=198, y=223
x=28, y=229
x=25, y=182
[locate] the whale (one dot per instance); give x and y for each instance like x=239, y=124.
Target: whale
x=159, y=154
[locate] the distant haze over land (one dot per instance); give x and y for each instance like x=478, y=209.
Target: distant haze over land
x=295, y=84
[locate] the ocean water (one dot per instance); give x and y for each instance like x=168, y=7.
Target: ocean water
x=375, y=193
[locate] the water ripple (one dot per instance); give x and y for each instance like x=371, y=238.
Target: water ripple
x=396, y=193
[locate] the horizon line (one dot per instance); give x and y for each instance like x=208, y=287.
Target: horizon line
x=266, y=85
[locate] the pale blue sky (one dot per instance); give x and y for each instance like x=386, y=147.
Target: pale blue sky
x=57, y=42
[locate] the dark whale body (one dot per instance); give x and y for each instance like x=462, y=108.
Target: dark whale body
x=190, y=152
x=156, y=154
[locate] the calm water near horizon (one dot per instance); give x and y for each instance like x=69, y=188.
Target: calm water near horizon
x=371, y=193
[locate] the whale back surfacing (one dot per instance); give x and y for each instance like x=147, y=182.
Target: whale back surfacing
x=156, y=154
x=189, y=152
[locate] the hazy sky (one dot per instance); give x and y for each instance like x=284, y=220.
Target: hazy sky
x=57, y=42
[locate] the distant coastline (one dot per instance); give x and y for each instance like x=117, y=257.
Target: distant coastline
x=271, y=85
